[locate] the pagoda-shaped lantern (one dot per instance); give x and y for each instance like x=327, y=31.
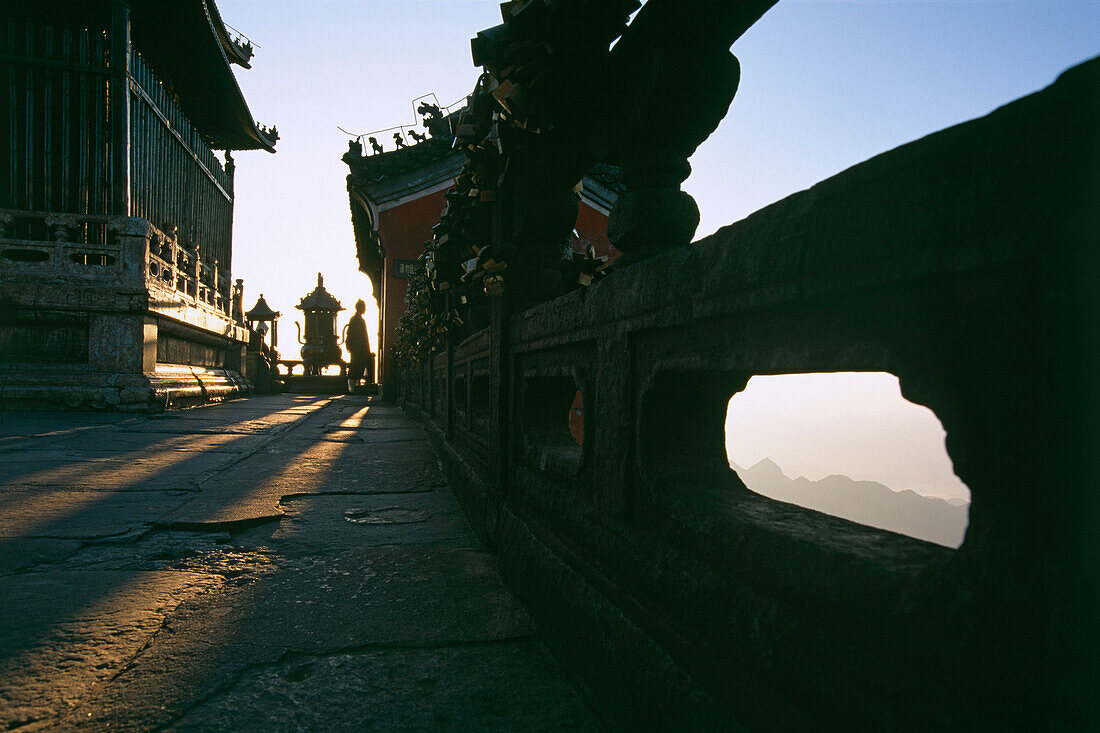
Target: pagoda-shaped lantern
x=261, y=313
x=321, y=345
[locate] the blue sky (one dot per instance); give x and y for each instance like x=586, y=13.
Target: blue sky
x=825, y=84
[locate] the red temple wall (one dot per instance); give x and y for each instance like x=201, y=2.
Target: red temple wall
x=591, y=227
x=404, y=229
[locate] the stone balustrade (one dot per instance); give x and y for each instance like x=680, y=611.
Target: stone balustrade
x=108, y=249
x=110, y=312
x=964, y=263
x=68, y=246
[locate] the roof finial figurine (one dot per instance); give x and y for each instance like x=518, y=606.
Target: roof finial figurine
x=430, y=112
x=417, y=136
x=374, y=145
x=434, y=121
x=355, y=147
x=398, y=140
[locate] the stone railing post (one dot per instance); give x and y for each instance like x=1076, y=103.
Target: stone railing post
x=216, y=296
x=6, y=222
x=238, y=304
x=197, y=274
x=62, y=229
x=134, y=236
x=173, y=249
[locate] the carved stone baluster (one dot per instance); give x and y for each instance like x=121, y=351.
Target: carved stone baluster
x=238, y=302
x=62, y=230
x=216, y=295
x=134, y=237
x=62, y=227
x=162, y=259
x=173, y=249
x=198, y=275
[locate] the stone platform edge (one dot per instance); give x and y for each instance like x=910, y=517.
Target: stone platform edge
x=47, y=387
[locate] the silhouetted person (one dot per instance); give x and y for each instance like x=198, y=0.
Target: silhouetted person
x=358, y=345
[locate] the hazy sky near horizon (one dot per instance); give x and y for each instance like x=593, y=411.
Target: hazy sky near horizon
x=856, y=424
x=825, y=84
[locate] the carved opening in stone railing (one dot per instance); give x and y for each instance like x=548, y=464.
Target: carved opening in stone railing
x=576, y=418
x=92, y=259
x=850, y=445
x=57, y=242
x=458, y=385
x=439, y=394
x=23, y=254
x=551, y=442
x=480, y=397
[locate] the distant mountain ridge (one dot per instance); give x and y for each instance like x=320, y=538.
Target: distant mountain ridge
x=866, y=502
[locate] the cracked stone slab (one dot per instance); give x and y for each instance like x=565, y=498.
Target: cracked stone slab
x=264, y=404
x=390, y=514
x=19, y=553
x=165, y=469
x=374, y=435
x=151, y=441
x=63, y=514
x=386, y=411
x=376, y=423
x=379, y=477
x=314, y=521
x=52, y=424
x=510, y=685
x=325, y=476
x=166, y=624
x=389, y=598
x=387, y=595
x=164, y=550
x=252, y=489
x=375, y=418
x=401, y=453
x=248, y=428
x=86, y=627
x=255, y=414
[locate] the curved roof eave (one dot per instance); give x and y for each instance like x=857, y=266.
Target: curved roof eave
x=181, y=42
x=236, y=52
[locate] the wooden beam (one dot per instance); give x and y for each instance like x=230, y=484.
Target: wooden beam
x=119, y=106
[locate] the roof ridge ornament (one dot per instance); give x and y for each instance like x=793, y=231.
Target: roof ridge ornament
x=320, y=299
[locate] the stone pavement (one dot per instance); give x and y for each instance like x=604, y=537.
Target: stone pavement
x=279, y=563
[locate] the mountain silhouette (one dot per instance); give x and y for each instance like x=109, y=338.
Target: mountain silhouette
x=942, y=521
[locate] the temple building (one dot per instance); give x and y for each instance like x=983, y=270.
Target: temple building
x=115, y=212
x=396, y=198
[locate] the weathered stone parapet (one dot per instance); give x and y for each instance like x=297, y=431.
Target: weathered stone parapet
x=167, y=387
x=133, y=226
x=62, y=227
x=122, y=343
x=80, y=314
x=963, y=263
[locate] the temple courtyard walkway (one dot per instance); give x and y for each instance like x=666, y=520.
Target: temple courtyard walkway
x=278, y=563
